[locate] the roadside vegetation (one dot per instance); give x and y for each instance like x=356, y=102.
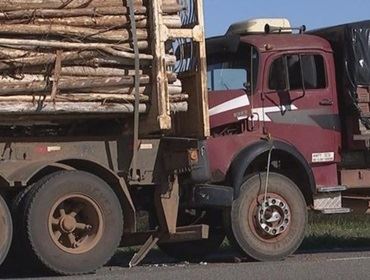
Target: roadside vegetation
x=330, y=232
x=324, y=233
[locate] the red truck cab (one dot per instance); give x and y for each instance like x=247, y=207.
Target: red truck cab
x=276, y=133
x=293, y=100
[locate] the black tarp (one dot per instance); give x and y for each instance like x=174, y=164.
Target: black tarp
x=351, y=46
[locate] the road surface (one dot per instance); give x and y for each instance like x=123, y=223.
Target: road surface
x=329, y=265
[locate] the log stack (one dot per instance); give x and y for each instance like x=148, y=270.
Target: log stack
x=77, y=56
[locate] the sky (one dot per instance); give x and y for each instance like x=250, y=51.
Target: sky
x=312, y=13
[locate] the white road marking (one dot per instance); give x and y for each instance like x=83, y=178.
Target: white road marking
x=349, y=259
x=232, y=104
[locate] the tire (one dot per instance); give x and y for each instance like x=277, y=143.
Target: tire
x=17, y=252
x=72, y=223
x=261, y=233
x=6, y=230
x=197, y=250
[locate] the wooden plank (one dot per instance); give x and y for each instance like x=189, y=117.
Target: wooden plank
x=159, y=114
x=56, y=76
x=195, y=122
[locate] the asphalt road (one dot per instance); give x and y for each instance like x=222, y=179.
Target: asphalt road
x=329, y=265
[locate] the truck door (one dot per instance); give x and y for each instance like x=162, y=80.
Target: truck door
x=299, y=105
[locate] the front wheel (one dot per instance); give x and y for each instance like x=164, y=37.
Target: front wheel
x=270, y=227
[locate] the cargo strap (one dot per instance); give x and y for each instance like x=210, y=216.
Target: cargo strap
x=134, y=174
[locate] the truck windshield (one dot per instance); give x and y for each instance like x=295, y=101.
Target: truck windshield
x=233, y=71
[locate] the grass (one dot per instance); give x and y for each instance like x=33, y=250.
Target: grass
x=328, y=232
x=324, y=233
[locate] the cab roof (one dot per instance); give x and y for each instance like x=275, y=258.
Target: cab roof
x=268, y=43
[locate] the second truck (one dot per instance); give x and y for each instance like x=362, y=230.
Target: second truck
x=289, y=114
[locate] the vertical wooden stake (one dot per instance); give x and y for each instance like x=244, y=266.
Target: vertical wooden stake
x=56, y=76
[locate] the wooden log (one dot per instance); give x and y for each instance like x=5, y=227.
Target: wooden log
x=95, y=82
x=43, y=59
x=92, y=12
x=60, y=13
x=173, y=8
x=103, y=89
x=23, y=52
x=76, y=97
x=179, y=107
x=179, y=97
x=172, y=21
x=175, y=88
x=122, y=90
x=105, y=71
x=84, y=21
x=111, y=61
x=108, y=48
x=122, y=35
x=7, y=88
x=21, y=77
x=100, y=97
x=91, y=97
x=13, y=5
x=16, y=108
x=111, y=90
x=39, y=107
x=93, y=72
x=172, y=77
x=6, y=53
x=66, y=108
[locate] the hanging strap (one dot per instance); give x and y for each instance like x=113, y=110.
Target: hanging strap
x=137, y=89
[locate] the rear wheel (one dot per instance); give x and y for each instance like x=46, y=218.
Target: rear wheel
x=272, y=227
x=72, y=222
x=6, y=230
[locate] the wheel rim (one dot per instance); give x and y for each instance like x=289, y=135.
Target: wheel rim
x=6, y=230
x=75, y=223
x=269, y=220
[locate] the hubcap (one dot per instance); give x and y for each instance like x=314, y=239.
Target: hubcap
x=68, y=224
x=75, y=223
x=273, y=216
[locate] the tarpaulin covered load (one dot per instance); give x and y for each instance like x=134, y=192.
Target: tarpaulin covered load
x=351, y=45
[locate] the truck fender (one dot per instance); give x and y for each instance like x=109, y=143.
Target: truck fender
x=27, y=174
x=32, y=172
x=250, y=153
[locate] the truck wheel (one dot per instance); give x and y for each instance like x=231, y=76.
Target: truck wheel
x=73, y=222
x=271, y=229
x=6, y=230
x=195, y=250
